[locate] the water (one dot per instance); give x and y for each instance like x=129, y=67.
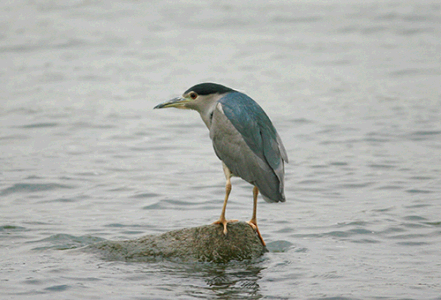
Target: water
x=352, y=87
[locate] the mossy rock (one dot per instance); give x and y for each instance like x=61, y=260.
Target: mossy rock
x=205, y=244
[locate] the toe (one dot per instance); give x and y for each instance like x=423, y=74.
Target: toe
x=253, y=225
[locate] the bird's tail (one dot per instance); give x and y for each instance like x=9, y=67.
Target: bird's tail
x=279, y=198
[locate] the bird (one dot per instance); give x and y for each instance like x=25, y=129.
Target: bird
x=243, y=138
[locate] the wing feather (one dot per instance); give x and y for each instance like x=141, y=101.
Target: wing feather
x=247, y=142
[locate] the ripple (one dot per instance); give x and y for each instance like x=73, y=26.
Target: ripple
x=356, y=185
x=423, y=135
x=33, y=188
x=413, y=243
x=311, y=181
x=57, y=288
x=279, y=246
x=145, y=195
x=433, y=223
x=338, y=163
x=31, y=47
x=427, y=132
x=421, y=178
x=386, y=209
x=12, y=228
x=389, y=187
x=301, y=121
x=296, y=19
x=418, y=191
x=408, y=236
x=414, y=218
x=38, y=125
x=391, y=230
x=366, y=241
x=356, y=223
x=15, y=137
x=173, y=204
x=382, y=166
x=338, y=233
x=66, y=241
x=63, y=200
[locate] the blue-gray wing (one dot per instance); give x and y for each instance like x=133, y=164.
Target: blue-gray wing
x=264, y=164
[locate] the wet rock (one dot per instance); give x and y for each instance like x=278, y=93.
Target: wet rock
x=204, y=243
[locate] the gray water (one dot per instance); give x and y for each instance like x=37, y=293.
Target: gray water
x=353, y=87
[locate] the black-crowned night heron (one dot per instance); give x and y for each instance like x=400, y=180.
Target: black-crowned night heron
x=243, y=138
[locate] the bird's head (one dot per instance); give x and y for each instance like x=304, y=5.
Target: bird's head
x=197, y=97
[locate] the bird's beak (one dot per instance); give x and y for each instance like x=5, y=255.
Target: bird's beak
x=178, y=102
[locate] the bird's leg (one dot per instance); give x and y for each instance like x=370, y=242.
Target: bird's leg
x=222, y=220
x=253, y=221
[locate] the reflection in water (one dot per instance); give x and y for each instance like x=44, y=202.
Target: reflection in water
x=237, y=280
x=227, y=281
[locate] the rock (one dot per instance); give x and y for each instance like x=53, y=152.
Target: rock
x=204, y=243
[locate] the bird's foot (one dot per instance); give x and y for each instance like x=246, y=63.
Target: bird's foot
x=253, y=225
x=224, y=222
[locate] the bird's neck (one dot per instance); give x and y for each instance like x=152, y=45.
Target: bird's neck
x=206, y=111
x=207, y=116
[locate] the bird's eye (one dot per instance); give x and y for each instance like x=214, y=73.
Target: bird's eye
x=193, y=95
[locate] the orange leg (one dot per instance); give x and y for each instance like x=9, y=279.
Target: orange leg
x=222, y=220
x=253, y=221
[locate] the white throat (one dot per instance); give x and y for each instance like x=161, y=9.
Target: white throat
x=206, y=107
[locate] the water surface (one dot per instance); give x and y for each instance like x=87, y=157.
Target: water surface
x=352, y=87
